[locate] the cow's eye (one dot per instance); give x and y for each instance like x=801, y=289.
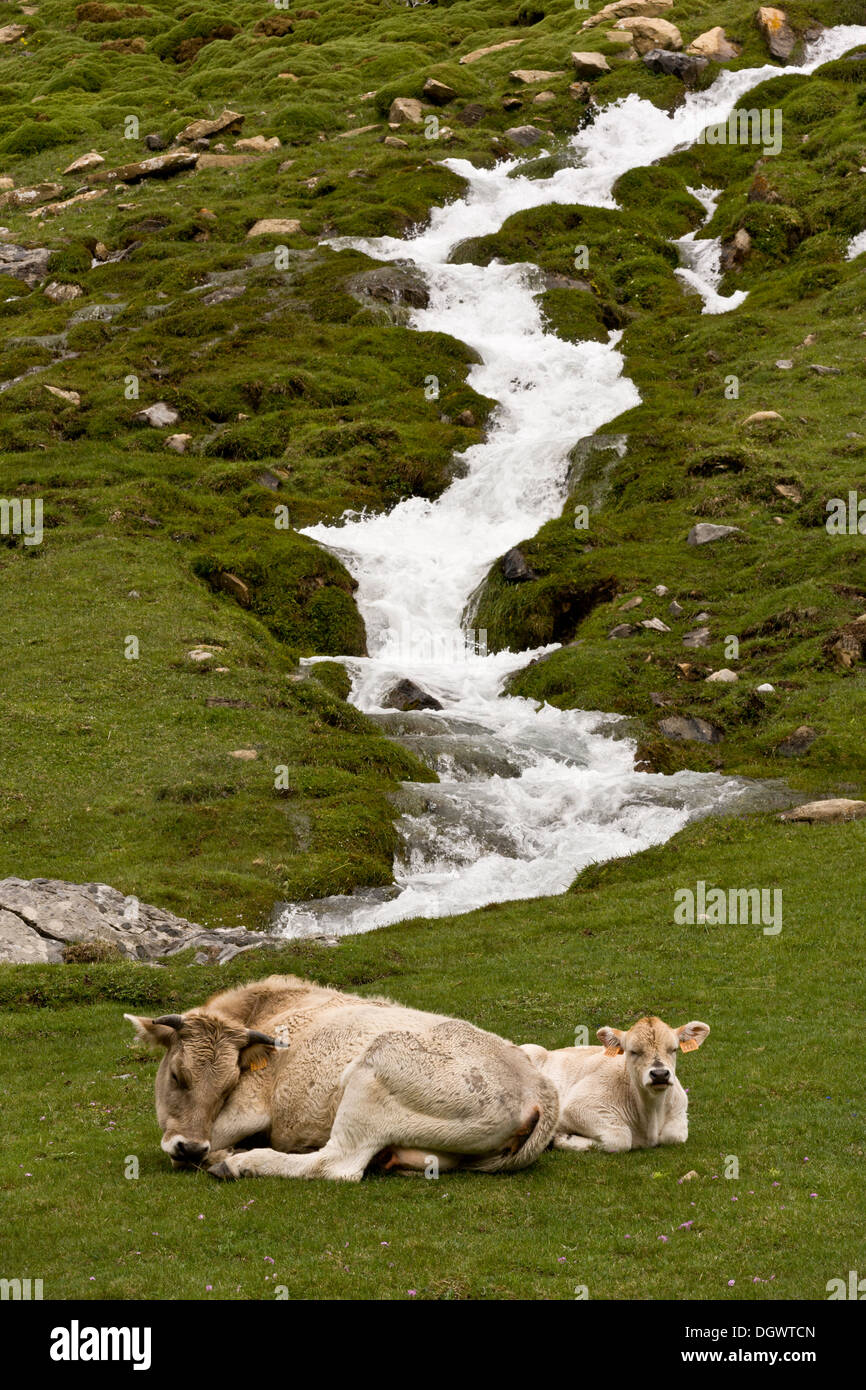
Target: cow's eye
x=179, y=1081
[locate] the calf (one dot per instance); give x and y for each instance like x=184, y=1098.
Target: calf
x=625, y=1094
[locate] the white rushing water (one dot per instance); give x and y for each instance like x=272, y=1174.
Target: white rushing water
x=856, y=246
x=702, y=270
x=527, y=795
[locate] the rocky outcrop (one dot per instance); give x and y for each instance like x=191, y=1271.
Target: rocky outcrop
x=47, y=920
x=27, y=263
x=777, y=32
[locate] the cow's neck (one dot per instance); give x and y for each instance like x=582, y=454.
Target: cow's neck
x=649, y=1109
x=247, y=1111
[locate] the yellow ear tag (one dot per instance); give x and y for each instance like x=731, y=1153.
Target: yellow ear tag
x=257, y=1066
x=689, y=1045
x=613, y=1050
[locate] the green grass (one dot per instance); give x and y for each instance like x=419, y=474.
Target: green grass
x=775, y=1084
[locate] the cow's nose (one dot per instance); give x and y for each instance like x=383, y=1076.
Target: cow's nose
x=658, y=1074
x=190, y=1150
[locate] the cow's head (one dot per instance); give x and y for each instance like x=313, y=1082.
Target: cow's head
x=650, y=1048
x=205, y=1057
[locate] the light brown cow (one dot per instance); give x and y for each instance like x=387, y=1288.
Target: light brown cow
x=625, y=1094
x=339, y=1081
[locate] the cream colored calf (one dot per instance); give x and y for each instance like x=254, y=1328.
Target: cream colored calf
x=625, y=1094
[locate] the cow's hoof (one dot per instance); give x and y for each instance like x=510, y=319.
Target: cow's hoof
x=222, y=1171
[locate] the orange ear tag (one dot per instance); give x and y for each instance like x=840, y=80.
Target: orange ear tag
x=257, y=1066
x=613, y=1050
x=689, y=1045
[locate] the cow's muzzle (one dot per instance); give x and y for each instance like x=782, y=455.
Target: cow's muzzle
x=187, y=1151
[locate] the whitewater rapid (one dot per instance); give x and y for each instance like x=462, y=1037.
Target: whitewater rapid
x=527, y=794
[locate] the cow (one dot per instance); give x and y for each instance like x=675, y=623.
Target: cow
x=340, y=1083
x=624, y=1094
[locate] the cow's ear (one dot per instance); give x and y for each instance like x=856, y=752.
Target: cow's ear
x=153, y=1032
x=255, y=1057
x=612, y=1039
x=691, y=1035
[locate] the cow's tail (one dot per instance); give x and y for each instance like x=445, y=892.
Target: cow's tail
x=530, y=1140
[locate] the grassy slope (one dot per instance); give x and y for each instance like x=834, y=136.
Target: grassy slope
x=765, y=1087
x=773, y=1085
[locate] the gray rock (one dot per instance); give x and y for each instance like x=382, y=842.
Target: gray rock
x=524, y=134
x=154, y=142
x=700, y=637
x=96, y=313
x=406, y=695
x=514, y=567
x=824, y=371
x=39, y=916
x=675, y=609
x=27, y=263
x=437, y=93
x=158, y=416
x=683, y=65
x=622, y=630
x=797, y=742
x=655, y=625
x=399, y=283
x=472, y=113
x=707, y=531
x=833, y=810
x=778, y=34
x=682, y=730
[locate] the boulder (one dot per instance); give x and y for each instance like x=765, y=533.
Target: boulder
x=406, y=695
x=735, y=251
x=777, y=32
x=833, y=810
x=69, y=397
x=543, y=98
x=652, y=33
x=224, y=161
x=524, y=135
x=630, y=603
x=724, y=677
x=53, y=209
x=258, y=144
x=491, y=48
x=158, y=416
x=622, y=630
x=580, y=91
x=231, y=584
x=472, y=113
x=11, y=33
x=437, y=93
x=154, y=142
x=92, y=160
x=178, y=443
x=406, y=111
x=682, y=65
x=205, y=129
x=654, y=625
x=620, y=9
x=60, y=293
x=705, y=532
x=699, y=637
x=275, y=226
x=162, y=166
x=797, y=742
x=533, y=77
x=759, y=417
x=30, y=197
x=589, y=65
x=714, y=45
x=514, y=567
x=46, y=920
x=398, y=282
x=681, y=730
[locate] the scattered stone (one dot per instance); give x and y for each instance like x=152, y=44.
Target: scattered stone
x=687, y=671
x=622, y=630
x=492, y=48
x=30, y=197
x=205, y=129
x=162, y=166
x=687, y=1177
x=178, y=443
x=84, y=161
x=660, y=590
x=394, y=143
x=797, y=742
x=762, y=191
x=682, y=65
x=70, y=397
x=705, y=532
x=246, y=755
x=524, y=135
x=715, y=45
x=631, y=603
x=620, y=8
x=226, y=161
x=788, y=490
x=766, y=689
x=778, y=34
x=833, y=810
x=406, y=695
x=655, y=625
x=824, y=371
x=275, y=226
x=231, y=584
x=652, y=33
x=810, y=340
x=52, y=209
x=11, y=33
x=398, y=283
x=760, y=416
x=511, y=103
x=724, y=677
x=514, y=567
x=675, y=609
x=531, y=77
x=155, y=142
x=589, y=65
x=543, y=98
x=437, y=93
x=223, y=295
x=784, y=364
x=406, y=111
x=258, y=144
x=466, y=420
x=682, y=730
x=735, y=251
x=702, y=618
x=158, y=415
x=700, y=637
x=618, y=36
x=580, y=91
x=60, y=293
x=472, y=113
